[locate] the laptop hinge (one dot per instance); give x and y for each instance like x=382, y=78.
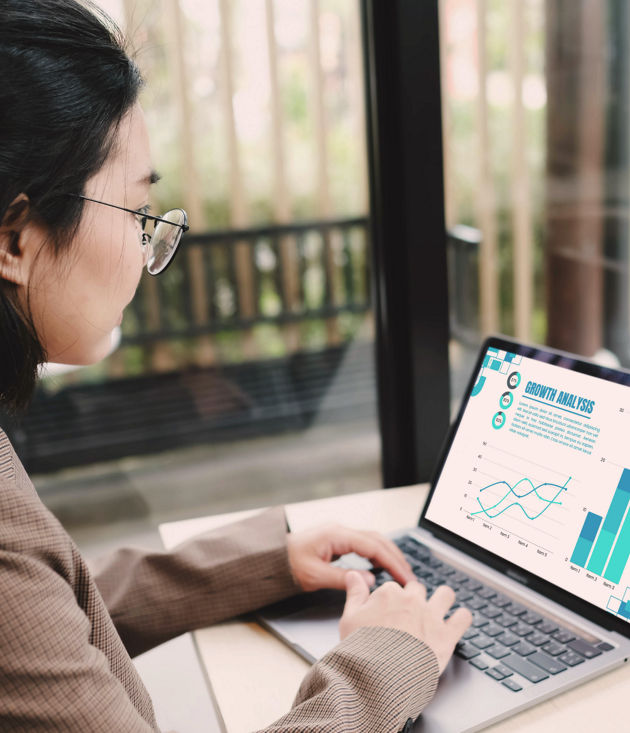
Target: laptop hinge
x=516, y=576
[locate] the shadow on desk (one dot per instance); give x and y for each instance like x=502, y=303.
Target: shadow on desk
x=178, y=688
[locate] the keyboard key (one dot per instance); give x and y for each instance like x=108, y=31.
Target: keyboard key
x=530, y=671
x=470, y=633
x=537, y=639
x=521, y=629
x=571, y=658
x=479, y=621
x=466, y=651
x=549, y=664
x=479, y=663
x=512, y=685
x=460, y=577
x=491, y=611
x=501, y=601
x=476, y=604
x=507, y=638
x=492, y=630
x=505, y=671
x=383, y=577
x=494, y=672
x=531, y=618
x=505, y=620
x=415, y=549
x=547, y=627
x=435, y=563
x=486, y=593
x=447, y=570
x=473, y=584
x=523, y=648
x=516, y=609
x=554, y=648
x=605, y=646
x=563, y=636
x=582, y=647
x=497, y=651
x=482, y=641
x=463, y=595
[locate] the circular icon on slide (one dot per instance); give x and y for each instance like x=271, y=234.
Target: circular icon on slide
x=498, y=421
x=514, y=380
x=506, y=400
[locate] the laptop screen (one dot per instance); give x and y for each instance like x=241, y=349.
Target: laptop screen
x=538, y=472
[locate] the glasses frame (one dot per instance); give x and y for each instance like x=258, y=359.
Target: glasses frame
x=146, y=238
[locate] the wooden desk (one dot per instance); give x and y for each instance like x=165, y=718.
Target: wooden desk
x=246, y=663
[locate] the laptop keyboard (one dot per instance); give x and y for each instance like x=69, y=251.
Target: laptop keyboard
x=507, y=641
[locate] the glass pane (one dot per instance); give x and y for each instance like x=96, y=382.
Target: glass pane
x=245, y=373
x=536, y=157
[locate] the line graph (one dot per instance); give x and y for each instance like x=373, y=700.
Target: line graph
x=522, y=497
x=512, y=490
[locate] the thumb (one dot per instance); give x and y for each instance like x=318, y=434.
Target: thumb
x=357, y=590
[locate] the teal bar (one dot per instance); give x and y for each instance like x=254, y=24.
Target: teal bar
x=612, y=522
x=620, y=555
x=585, y=540
x=580, y=554
x=601, y=551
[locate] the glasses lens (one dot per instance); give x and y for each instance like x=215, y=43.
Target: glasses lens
x=165, y=240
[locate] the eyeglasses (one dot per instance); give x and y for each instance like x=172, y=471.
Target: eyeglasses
x=166, y=236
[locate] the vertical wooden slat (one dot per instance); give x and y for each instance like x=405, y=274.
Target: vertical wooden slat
x=521, y=200
x=281, y=203
x=318, y=114
x=180, y=81
x=348, y=268
x=356, y=93
x=450, y=201
x=486, y=204
x=575, y=195
x=239, y=213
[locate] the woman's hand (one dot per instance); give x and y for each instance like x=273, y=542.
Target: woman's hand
x=406, y=609
x=311, y=552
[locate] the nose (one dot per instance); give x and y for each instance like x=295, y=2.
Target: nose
x=145, y=250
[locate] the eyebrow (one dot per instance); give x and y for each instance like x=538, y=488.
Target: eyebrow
x=151, y=178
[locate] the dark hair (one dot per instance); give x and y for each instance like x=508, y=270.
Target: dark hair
x=67, y=82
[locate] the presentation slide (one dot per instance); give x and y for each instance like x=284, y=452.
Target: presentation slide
x=539, y=473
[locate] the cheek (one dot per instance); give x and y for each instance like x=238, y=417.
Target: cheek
x=121, y=262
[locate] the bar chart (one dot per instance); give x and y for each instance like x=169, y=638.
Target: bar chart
x=620, y=606
x=607, y=553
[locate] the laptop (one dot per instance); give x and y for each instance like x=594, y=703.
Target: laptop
x=527, y=519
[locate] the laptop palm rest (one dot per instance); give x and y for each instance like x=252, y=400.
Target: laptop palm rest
x=311, y=622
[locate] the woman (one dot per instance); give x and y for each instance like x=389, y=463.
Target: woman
x=75, y=173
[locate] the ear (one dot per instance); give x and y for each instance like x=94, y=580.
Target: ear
x=14, y=261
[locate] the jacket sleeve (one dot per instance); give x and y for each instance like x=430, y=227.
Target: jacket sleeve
x=155, y=596
x=51, y=676
x=373, y=682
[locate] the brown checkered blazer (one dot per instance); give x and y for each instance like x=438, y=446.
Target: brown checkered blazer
x=66, y=635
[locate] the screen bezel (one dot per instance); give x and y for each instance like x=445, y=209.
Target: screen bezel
x=563, y=359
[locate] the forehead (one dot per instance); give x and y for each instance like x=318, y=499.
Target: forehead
x=130, y=157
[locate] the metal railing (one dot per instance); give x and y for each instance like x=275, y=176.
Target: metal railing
x=237, y=279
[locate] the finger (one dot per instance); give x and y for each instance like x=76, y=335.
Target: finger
x=442, y=599
x=413, y=587
x=459, y=621
x=357, y=591
x=324, y=575
x=374, y=547
x=368, y=577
